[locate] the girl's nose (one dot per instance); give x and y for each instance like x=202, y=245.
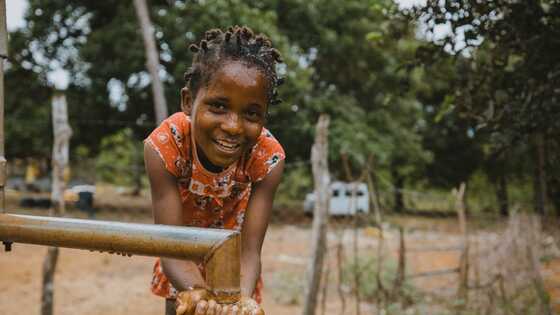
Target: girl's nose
x=232, y=124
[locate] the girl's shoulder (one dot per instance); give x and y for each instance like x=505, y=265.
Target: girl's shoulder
x=264, y=156
x=171, y=141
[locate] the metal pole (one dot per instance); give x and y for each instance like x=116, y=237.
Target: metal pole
x=3, y=55
x=218, y=249
x=130, y=238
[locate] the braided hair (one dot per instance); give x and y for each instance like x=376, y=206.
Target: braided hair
x=235, y=44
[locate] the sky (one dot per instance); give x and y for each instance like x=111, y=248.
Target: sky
x=14, y=13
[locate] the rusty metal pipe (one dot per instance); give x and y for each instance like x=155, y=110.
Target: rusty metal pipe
x=132, y=238
x=218, y=249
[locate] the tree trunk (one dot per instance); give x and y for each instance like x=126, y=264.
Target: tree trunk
x=553, y=186
x=502, y=194
x=320, y=215
x=398, y=183
x=152, y=59
x=401, y=269
x=553, y=180
x=540, y=175
x=60, y=157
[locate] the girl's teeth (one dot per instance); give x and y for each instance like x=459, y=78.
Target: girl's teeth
x=227, y=145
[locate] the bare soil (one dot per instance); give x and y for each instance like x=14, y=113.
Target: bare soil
x=94, y=284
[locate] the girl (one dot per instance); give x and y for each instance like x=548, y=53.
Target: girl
x=213, y=165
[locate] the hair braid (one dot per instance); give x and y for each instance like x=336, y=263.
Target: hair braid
x=218, y=47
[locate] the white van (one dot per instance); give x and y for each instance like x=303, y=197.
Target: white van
x=345, y=199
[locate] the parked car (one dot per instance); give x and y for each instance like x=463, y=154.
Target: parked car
x=345, y=199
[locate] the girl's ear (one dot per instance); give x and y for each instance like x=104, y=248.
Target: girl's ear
x=186, y=100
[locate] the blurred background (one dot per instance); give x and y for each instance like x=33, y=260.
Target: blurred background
x=423, y=96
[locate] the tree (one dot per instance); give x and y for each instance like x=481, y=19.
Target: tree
x=361, y=52
x=152, y=62
x=505, y=52
x=99, y=45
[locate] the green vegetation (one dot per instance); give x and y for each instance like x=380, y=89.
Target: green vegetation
x=478, y=104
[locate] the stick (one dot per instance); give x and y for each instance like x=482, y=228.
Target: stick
x=318, y=242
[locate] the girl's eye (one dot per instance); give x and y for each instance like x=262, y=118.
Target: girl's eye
x=254, y=115
x=217, y=107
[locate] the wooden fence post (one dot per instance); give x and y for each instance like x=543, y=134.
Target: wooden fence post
x=372, y=190
x=319, y=160
x=60, y=157
x=60, y=153
x=464, y=260
x=3, y=55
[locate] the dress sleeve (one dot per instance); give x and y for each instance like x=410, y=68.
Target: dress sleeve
x=264, y=157
x=170, y=141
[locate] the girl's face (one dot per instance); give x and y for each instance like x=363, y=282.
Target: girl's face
x=229, y=113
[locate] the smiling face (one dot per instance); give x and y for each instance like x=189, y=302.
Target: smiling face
x=229, y=113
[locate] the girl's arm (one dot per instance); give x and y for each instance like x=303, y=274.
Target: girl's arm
x=168, y=209
x=254, y=228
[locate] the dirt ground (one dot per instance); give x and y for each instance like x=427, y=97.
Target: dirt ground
x=94, y=284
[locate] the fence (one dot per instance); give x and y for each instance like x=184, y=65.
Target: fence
x=375, y=270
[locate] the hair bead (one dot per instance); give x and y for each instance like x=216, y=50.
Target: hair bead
x=204, y=45
x=194, y=48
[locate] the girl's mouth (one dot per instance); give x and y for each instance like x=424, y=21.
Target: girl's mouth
x=227, y=146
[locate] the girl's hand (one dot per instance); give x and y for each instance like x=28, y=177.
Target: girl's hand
x=248, y=306
x=201, y=302
x=189, y=301
x=213, y=308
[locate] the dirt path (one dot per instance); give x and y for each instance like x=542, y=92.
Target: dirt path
x=98, y=284
x=92, y=284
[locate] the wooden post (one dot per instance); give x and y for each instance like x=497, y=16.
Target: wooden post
x=534, y=263
x=357, y=268
x=372, y=190
x=60, y=157
x=539, y=182
x=3, y=31
x=464, y=260
x=3, y=55
x=152, y=59
x=319, y=160
x=60, y=153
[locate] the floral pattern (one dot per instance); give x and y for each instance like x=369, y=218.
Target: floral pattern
x=209, y=200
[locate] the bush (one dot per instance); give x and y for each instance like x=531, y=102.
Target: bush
x=121, y=159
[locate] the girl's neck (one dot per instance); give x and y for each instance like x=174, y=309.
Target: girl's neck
x=206, y=162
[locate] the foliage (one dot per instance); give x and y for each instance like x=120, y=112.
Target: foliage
x=413, y=107
x=372, y=115
x=120, y=160
x=511, y=70
x=358, y=49
x=25, y=103
x=296, y=183
x=366, y=268
x=505, y=53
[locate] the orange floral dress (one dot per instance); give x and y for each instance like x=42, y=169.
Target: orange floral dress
x=210, y=200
